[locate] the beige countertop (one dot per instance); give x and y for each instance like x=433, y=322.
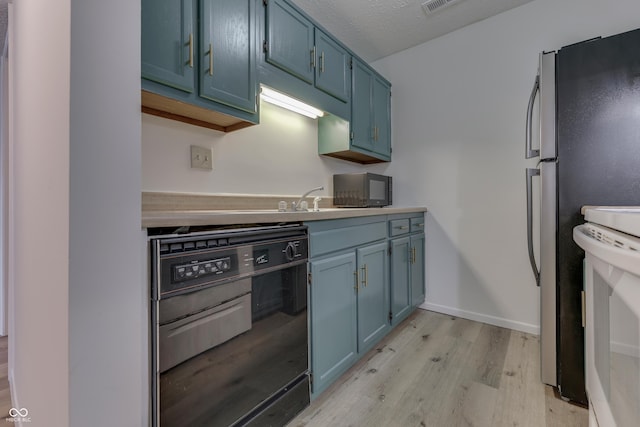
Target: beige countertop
x=160, y=209
x=179, y=218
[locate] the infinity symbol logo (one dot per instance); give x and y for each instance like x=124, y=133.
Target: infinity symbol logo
x=13, y=412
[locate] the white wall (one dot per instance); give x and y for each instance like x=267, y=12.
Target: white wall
x=108, y=356
x=4, y=183
x=39, y=346
x=458, y=106
x=78, y=340
x=278, y=156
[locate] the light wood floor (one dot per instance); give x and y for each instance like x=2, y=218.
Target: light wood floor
x=436, y=370
x=5, y=394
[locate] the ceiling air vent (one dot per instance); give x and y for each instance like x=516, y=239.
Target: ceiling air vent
x=432, y=6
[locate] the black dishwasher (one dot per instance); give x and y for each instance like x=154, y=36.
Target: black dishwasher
x=229, y=326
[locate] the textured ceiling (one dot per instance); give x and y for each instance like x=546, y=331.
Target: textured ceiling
x=374, y=29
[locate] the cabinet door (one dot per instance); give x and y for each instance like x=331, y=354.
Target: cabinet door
x=361, y=125
x=332, y=67
x=373, y=291
x=168, y=42
x=333, y=318
x=227, y=53
x=289, y=40
x=381, y=117
x=400, y=273
x=417, y=270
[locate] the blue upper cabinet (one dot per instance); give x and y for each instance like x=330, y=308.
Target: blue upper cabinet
x=199, y=62
x=294, y=44
x=381, y=101
x=370, y=112
x=168, y=42
x=290, y=40
x=361, y=107
x=332, y=66
x=227, y=59
x=367, y=137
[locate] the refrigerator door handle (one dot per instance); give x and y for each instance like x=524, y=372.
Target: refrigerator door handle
x=531, y=172
x=529, y=151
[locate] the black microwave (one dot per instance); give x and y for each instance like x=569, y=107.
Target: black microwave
x=361, y=190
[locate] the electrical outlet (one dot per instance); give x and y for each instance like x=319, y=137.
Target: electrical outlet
x=201, y=158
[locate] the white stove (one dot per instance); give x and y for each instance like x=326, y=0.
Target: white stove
x=611, y=241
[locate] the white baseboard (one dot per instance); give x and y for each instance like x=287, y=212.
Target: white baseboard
x=483, y=318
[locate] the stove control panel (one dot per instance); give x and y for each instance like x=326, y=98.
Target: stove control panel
x=198, y=269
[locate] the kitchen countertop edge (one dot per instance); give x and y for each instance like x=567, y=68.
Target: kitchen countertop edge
x=176, y=218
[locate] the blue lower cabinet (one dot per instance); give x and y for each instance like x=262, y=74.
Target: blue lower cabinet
x=400, y=283
x=417, y=269
x=333, y=318
x=373, y=291
x=361, y=284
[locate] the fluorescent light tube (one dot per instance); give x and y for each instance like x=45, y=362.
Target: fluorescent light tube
x=280, y=99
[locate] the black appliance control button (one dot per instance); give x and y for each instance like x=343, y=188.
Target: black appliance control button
x=291, y=251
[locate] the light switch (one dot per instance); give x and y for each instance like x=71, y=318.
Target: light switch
x=201, y=158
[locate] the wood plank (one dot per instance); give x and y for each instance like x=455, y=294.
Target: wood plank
x=488, y=355
x=436, y=370
x=521, y=397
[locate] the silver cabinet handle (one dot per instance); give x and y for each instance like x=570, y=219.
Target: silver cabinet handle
x=530, y=174
x=529, y=151
x=364, y=274
x=402, y=227
x=322, y=62
x=210, y=59
x=313, y=57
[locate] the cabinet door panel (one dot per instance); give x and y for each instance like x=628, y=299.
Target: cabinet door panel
x=289, y=40
x=382, y=117
x=227, y=53
x=332, y=67
x=166, y=27
x=333, y=317
x=361, y=125
x=400, y=285
x=373, y=300
x=418, y=270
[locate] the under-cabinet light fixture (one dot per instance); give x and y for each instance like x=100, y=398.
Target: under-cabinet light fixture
x=280, y=99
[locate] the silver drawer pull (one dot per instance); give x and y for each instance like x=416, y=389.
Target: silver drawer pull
x=402, y=227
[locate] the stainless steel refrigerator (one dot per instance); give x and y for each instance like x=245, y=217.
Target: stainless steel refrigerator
x=588, y=96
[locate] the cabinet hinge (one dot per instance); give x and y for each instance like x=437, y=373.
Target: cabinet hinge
x=309, y=278
x=351, y=135
x=311, y=378
x=351, y=63
x=390, y=317
x=264, y=2
x=390, y=250
x=264, y=46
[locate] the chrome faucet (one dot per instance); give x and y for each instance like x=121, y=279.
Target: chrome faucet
x=295, y=206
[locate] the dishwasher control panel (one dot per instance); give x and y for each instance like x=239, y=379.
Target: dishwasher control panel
x=194, y=270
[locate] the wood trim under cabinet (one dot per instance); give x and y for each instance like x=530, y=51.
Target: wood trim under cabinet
x=161, y=106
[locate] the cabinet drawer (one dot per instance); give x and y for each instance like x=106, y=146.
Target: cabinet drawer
x=323, y=242
x=417, y=224
x=398, y=227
